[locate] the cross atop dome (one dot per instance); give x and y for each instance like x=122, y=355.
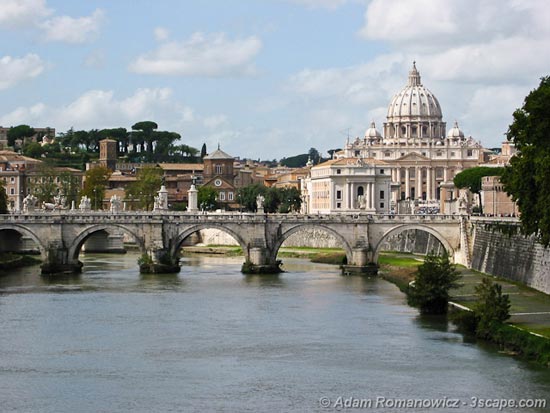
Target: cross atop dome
x=414, y=76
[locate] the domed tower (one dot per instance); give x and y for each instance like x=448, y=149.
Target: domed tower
x=372, y=136
x=414, y=115
x=455, y=135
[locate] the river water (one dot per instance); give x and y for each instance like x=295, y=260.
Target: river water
x=212, y=340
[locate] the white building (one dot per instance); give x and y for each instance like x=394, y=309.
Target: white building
x=349, y=184
x=415, y=150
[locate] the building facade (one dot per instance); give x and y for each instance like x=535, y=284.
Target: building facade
x=416, y=150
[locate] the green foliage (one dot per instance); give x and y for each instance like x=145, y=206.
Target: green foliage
x=33, y=150
x=145, y=259
x=96, y=180
x=527, y=179
x=142, y=192
x=203, y=150
x=492, y=307
x=471, y=179
x=44, y=188
x=207, y=198
x=314, y=155
x=3, y=198
x=297, y=161
x=19, y=132
x=282, y=200
x=434, y=278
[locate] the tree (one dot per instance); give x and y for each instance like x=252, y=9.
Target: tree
x=247, y=196
x=207, y=198
x=471, y=179
x=147, y=127
x=3, y=198
x=314, y=155
x=492, y=307
x=146, y=187
x=33, y=150
x=96, y=180
x=203, y=150
x=19, y=132
x=434, y=278
x=527, y=179
x=44, y=186
x=297, y=161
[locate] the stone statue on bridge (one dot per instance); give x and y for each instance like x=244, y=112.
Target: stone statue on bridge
x=29, y=203
x=116, y=204
x=59, y=201
x=260, y=204
x=85, y=204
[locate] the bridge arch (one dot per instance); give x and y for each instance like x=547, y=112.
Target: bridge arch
x=25, y=231
x=300, y=227
x=74, y=249
x=178, y=240
x=400, y=228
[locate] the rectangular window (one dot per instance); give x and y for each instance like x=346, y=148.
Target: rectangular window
x=230, y=196
x=222, y=196
x=382, y=194
x=381, y=205
x=218, y=169
x=470, y=153
x=357, y=153
x=338, y=194
x=12, y=191
x=12, y=179
x=374, y=154
x=338, y=171
x=381, y=172
x=338, y=205
x=452, y=154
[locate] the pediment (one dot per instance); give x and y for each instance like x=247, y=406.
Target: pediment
x=219, y=183
x=413, y=157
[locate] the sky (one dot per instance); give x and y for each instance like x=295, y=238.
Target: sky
x=266, y=79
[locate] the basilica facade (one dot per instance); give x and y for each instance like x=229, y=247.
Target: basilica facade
x=417, y=156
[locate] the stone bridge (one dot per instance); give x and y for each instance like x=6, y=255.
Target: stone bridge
x=59, y=236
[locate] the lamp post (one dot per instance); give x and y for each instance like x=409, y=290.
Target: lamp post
x=95, y=199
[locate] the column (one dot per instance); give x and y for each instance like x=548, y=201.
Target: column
x=445, y=174
x=434, y=184
x=429, y=183
x=407, y=182
x=373, y=195
x=418, y=182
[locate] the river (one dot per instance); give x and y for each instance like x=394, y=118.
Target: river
x=212, y=340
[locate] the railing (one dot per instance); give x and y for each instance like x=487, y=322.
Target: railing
x=173, y=216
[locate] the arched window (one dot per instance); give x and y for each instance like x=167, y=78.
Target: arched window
x=360, y=191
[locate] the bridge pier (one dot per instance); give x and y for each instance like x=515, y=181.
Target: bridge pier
x=361, y=263
x=159, y=261
x=259, y=261
x=58, y=262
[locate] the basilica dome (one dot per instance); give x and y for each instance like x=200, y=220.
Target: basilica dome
x=414, y=102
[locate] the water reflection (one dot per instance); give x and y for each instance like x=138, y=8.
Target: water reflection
x=265, y=280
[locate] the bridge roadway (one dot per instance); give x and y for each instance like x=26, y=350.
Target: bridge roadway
x=60, y=235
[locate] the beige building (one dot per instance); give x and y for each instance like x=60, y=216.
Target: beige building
x=496, y=201
x=21, y=173
x=417, y=152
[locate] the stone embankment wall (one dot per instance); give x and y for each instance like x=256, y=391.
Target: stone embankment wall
x=499, y=250
x=413, y=241
x=313, y=238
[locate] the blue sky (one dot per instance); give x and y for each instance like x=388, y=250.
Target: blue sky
x=266, y=78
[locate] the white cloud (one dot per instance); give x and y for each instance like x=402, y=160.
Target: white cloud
x=161, y=33
x=201, y=55
x=99, y=109
x=21, y=13
x=14, y=70
x=73, y=29
x=215, y=121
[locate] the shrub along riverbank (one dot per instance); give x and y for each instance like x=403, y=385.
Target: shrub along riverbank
x=519, y=338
